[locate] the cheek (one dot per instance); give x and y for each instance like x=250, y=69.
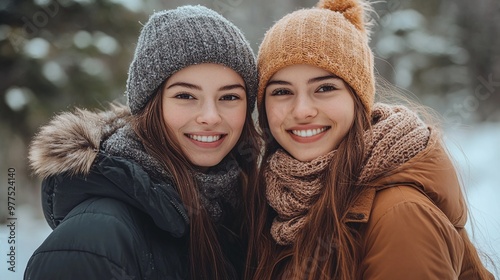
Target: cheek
x=172, y=124
x=173, y=117
x=275, y=113
x=275, y=119
x=348, y=113
x=342, y=115
x=236, y=119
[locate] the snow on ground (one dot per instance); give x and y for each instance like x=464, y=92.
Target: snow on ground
x=30, y=231
x=476, y=150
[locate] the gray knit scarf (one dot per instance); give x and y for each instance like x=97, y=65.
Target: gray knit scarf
x=292, y=186
x=217, y=188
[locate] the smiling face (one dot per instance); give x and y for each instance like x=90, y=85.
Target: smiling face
x=204, y=107
x=309, y=110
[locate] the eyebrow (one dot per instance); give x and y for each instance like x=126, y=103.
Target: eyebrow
x=186, y=85
x=310, y=81
x=196, y=87
x=230, y=87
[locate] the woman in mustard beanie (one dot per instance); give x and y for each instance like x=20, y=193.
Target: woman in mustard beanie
x=154, y=189
x=349, y=188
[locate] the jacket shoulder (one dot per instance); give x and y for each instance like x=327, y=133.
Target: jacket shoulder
x=99, y=239
x=408, y=231
x=104, y=238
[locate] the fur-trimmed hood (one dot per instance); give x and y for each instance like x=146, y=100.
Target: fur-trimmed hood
x=70, y=142
x=71, y=157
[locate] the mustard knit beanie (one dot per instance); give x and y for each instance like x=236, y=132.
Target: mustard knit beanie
x=333, y=36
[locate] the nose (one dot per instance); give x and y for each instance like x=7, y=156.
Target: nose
x=208, y=114
x=304, y=107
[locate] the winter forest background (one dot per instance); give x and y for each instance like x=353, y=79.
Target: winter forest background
x=58, y=54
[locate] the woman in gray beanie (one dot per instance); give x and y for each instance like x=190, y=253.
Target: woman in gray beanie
x=154, y=190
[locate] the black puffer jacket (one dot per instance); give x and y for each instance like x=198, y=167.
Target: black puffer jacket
x=111, y=218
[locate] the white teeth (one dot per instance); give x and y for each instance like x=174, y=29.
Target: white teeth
x=206, y=139
x=308, y=132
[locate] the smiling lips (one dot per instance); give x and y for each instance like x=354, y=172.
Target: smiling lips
x=205, y=138
x=206, y=141
x=309, y=132
x=307, y=135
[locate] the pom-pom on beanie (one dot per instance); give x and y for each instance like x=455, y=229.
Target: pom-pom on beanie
x=174, y=39
x=333, y=36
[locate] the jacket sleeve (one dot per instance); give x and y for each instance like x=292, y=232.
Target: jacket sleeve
x=89, y=244
x=408, y=237
x=72, y=264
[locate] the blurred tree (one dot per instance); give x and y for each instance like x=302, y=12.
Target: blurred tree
x=443, y=52
x=54, y=55
x=480, y=23
x=59, y=54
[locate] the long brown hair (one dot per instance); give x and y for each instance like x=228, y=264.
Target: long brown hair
x=207, y=261
x=327, y=248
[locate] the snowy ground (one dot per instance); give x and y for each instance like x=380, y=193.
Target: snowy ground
x=477, y=153
x=30, y=232
x=476, y=150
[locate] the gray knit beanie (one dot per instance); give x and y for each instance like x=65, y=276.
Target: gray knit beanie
x=174, y=39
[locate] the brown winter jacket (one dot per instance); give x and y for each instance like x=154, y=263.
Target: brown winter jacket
x=419, y=202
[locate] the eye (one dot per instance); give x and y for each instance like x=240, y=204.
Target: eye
x=280, y=91
x=327, y=88
x=230, y=97
x=183, y=96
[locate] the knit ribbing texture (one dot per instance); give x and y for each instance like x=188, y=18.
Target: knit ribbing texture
x=332, y=36
x=217, y=188
x=292, y=186
x=174, y=39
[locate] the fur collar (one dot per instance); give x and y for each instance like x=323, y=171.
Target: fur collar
x=70, y=142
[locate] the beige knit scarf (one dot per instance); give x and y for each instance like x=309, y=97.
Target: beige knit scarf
x=397, y=135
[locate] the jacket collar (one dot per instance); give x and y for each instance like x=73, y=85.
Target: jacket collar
x=70, y=142
x=360, y=211
x=66, y=154
x=432, y=173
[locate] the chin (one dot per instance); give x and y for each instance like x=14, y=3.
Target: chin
x=305, y=155
x=304, y=159
x=205, y=164
x=302, y=156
